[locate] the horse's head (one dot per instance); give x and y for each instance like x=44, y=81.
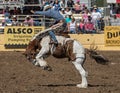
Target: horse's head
x=31, y=49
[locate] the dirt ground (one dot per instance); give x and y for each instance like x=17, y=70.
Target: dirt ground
x=17, y=75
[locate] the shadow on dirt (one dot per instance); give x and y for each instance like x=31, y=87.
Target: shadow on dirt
x=59, y=85
x=89, y=85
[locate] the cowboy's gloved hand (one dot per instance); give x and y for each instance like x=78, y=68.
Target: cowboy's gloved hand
x=53, y=27
x=32, y=11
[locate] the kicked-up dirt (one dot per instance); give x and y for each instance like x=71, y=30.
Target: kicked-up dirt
x=18, y=75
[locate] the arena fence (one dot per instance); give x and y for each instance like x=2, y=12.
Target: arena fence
x=17, y=38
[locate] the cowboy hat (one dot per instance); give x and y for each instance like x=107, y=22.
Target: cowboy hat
x=46, y=7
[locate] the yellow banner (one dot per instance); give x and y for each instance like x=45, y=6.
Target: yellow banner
x=112, y=35
x=20, y=35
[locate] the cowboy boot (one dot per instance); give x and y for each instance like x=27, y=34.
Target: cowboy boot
x=53, y=38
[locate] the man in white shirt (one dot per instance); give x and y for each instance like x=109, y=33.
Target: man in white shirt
x=95, y=16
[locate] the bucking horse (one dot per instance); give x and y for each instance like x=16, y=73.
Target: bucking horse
x=40, y=47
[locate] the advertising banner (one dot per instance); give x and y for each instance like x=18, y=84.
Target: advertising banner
x=19, y=36
x=117, y=1
x=112, y=35
x=113, y=1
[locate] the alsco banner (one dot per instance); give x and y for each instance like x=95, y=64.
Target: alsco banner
x=112, y=35
x=20, y=35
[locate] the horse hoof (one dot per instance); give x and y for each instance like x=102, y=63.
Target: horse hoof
x=81, y=85
x=48, y=68
x=33, y=61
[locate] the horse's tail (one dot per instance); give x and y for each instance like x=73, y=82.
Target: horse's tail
x=99, y=58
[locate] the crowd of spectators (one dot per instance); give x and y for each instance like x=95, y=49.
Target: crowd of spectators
x=90, y=21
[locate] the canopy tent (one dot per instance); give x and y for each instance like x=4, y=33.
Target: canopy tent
x=113, y=1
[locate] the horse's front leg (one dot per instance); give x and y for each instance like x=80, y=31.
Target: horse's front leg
x=79, y=66
x=39, y=61
x=43, y=64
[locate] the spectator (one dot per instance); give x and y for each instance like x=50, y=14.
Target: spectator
x=83, y=7
x=77, y=0
x=68, y=11
x=72, y=26
x=92, y=8
x=113, y=9
x=8, y=21
x=81, y=26
x=85, y=15
x=101, y=24
x=7, y=13
x=68, y=18
x=89, y=27
x=118, y=9
x=70, y=3
x=15, y=21
x=51, y=3
x=28, y=21
x=15, y=11
x=18, y=10
x=3, y=23
x=62, y=12
x=77, y=7
x=56, y=5
x=95, y=16
x=45, y=2
x=114, y=21
x=62, y=4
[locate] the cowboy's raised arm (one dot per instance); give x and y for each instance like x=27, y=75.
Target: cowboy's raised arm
x=57, y=25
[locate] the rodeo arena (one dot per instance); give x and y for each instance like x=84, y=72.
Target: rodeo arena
x=59, y=46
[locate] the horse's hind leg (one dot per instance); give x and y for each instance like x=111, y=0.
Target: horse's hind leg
x=78, y=65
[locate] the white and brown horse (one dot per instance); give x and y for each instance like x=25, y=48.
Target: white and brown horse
x=37, y=49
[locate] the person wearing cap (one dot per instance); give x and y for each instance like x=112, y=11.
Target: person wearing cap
x=8, y=21
x=68, y=11
x=28, y=21
x=95, y=16
x=15, y=21
x=58, y=26
x=95, y=7
x=62, y=12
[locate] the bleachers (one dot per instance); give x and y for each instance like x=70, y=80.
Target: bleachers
x=1, y=18
x=11, y=3
x=1, y=27
x=43, y=21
